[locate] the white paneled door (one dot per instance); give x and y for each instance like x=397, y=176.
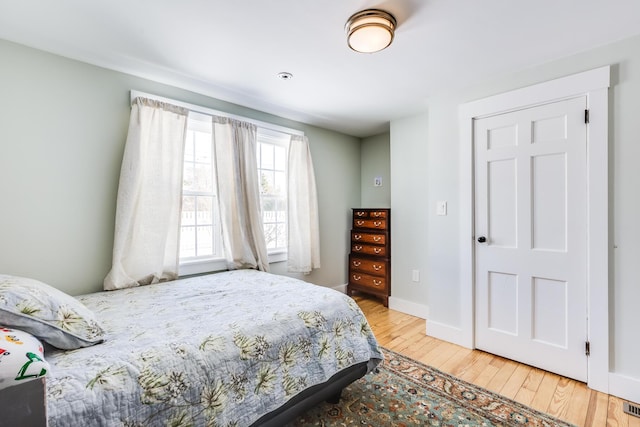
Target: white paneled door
x=531, y=236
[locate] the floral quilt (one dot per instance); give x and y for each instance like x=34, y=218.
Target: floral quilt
x=216, y=350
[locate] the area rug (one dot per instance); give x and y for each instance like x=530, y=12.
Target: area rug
x=404, y=392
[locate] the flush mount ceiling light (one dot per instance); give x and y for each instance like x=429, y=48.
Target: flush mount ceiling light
x=370, y=30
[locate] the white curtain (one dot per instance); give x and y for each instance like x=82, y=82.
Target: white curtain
x=238, y=193
x=304, y=231
x=147, y=232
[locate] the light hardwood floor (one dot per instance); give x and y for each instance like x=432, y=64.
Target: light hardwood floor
x=561, y=397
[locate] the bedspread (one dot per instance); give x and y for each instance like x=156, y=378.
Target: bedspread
x=215, y=350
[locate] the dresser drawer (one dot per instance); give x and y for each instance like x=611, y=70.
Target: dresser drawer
x=369, y=266
x=375, y=238
x=374, y=224
x=367, y=280
x=363, y=248
x=370, y=214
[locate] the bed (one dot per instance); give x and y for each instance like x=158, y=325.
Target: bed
x=237, y=348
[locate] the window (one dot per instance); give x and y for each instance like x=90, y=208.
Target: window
x=201, y=247
x=272, y=171
x=200, y=234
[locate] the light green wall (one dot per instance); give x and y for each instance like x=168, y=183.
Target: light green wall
x=374, y=161
x=63, y=125
x=432, y=171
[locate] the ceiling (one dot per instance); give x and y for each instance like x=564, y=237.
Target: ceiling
x=233, y=49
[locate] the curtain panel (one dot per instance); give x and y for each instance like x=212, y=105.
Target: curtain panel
x=147, y=228
x=304, y=230
x=236, y=168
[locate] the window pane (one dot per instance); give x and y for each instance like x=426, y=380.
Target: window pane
x=267, y=156
x=205, y=240
x=187, y=242
x=188, y=216
x=270, y=235
x=187, y=177
x=205, y=211
x=266, y=182
x=280, y=158
x=202, y=147
x=188, y=147
x=282, y=210
x=281, y=241
x=280, y=185
x=203, y=178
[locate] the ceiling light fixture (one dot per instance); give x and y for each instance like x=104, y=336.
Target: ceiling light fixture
x=370, y=30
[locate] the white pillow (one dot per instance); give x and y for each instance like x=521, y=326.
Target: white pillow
x=47, y=313
x=21, y=358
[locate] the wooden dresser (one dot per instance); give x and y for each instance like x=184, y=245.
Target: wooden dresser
x=370, y=256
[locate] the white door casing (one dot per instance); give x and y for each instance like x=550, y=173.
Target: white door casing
x=530, y=209
x=594, y=85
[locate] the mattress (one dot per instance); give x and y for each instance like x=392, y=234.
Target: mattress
x=222, y=349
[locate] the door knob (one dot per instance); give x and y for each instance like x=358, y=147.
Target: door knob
x=482, y=239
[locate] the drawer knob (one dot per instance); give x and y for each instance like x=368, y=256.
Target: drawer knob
x=358, y=248
x=357, y=236
x=359, y=222
x=377, y=282
x=377, y=214
x=361, y=213
x=356, y=263
x=377, y=267
x=377, y=223
x=377, y=238
x=377, y=250
x=356, y=277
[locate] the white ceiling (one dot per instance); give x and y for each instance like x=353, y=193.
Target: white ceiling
x=233, y=49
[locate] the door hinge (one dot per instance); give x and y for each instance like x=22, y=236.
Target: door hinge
x=586, y=116
x=587, y=348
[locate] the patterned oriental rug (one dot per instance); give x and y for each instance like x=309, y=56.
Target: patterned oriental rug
x=404, y=392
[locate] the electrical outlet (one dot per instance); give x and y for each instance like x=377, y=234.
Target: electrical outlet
x=377, y=181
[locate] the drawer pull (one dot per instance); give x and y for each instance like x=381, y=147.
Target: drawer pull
x=359, y=222
x=377, y=238
x=377, y=223
x=377, y=214
x=357, y=236
x=358, y=248
x=377, y=267
x=357, y=263
x=377, y=282
x=377, y=250
x=361, y=213
x=356, y=277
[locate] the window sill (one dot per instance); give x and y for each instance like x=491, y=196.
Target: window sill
x=188, y=268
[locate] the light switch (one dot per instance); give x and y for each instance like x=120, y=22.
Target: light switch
x=441, y=207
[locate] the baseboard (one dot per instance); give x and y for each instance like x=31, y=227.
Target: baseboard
x=624, y=387
x=448, y=333
x=341, y=288
x=409, y=307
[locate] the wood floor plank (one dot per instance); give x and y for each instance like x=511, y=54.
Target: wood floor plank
x=546, y=390
x=597, y=409
x=561, y=397
x=615, y=415
x=578, y=404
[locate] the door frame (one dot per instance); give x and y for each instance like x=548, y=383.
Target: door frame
x=593, y=84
